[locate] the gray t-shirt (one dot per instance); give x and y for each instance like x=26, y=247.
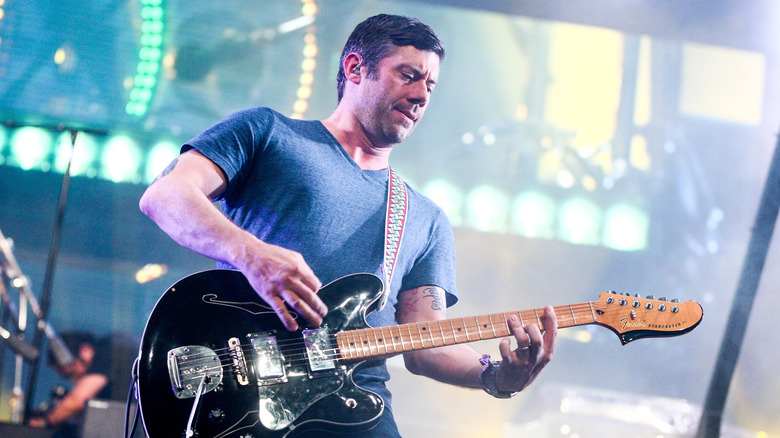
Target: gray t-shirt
x=291, y=184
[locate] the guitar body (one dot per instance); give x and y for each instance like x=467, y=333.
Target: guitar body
x=212, y=343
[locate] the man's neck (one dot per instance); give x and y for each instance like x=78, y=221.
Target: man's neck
x=354, y=141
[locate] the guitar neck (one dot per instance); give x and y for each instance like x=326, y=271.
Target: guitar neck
x=388, y=340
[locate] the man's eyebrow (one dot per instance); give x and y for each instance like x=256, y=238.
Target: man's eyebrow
x=418, y=73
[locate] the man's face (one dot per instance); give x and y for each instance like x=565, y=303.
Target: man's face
x=392, y=102
x=75, y=370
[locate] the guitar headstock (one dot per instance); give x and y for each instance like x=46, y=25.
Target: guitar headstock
x=631, y=317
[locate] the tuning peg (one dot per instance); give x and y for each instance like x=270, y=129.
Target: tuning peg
x=662, y=298
x=675, y=300
x=650, y=297
x=636, y=295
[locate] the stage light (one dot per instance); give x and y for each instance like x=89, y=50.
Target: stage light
x=30, y=148
x=625, y=228
x=84, y=154
x=448, y=197
x=159, y=157
x=309, y=7
x=150, y=271
x=120, y=160
x=487, y=209
x=533, y=215
x=309, y=63
x=3, y=142
x=579, y=222
x=150, y=56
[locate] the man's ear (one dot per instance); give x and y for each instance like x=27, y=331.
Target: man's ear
x=352, y=67
x=86, y=353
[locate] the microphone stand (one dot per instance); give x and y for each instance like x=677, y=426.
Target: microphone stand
x=21, y=348
x=57, y=347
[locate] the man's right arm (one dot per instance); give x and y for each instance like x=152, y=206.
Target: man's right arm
x=179, y=201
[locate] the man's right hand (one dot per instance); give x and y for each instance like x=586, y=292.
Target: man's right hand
x=280, y=276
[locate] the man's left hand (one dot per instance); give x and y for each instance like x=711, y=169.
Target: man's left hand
x=520, y=367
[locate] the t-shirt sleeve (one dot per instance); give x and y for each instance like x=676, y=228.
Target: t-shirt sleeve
x=232, y=142
x=435, y=266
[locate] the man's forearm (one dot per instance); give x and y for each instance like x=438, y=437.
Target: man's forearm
x=192, y=220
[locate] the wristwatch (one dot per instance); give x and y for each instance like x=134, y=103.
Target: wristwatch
x=487, y=378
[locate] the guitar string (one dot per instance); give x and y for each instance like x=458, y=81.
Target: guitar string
x=469, y=324
x=298, y=355
x=466, y=321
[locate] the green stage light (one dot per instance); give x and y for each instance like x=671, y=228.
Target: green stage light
x=30, y=148
x=625, y=228
x=121, y=160
x=150, y=57
x=160, y=156
x=533, y=215
x=3, y=142
x=83, y=154
x=579, y=222
x=487, y=209
x=448, y=197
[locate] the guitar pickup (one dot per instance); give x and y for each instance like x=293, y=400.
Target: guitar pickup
x=318, y=349
x=268, y=359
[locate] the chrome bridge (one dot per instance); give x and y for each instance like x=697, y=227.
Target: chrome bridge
x=190, y=364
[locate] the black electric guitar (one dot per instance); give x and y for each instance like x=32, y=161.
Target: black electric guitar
x=216, y=362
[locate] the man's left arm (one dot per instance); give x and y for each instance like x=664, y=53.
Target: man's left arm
x=86, y=388
x=459, y=364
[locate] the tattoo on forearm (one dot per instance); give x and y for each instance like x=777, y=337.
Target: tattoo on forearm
x=435, y=295
x=167, y=170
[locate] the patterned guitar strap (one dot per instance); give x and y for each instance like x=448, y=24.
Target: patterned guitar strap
x=397, y=203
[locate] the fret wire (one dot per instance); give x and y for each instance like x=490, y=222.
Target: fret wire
x=592, y=312
x=454, y=336
x=392, y=338
x=355, y=345
x=573, y=317
x=376, y=341
x=401, y=337
x=384, y=339
x=411, y=338
x=420, y=334
x=380, y=340
x=367, y=343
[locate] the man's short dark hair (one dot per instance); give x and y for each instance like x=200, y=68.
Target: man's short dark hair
x=378, y=37
x=73, y=340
